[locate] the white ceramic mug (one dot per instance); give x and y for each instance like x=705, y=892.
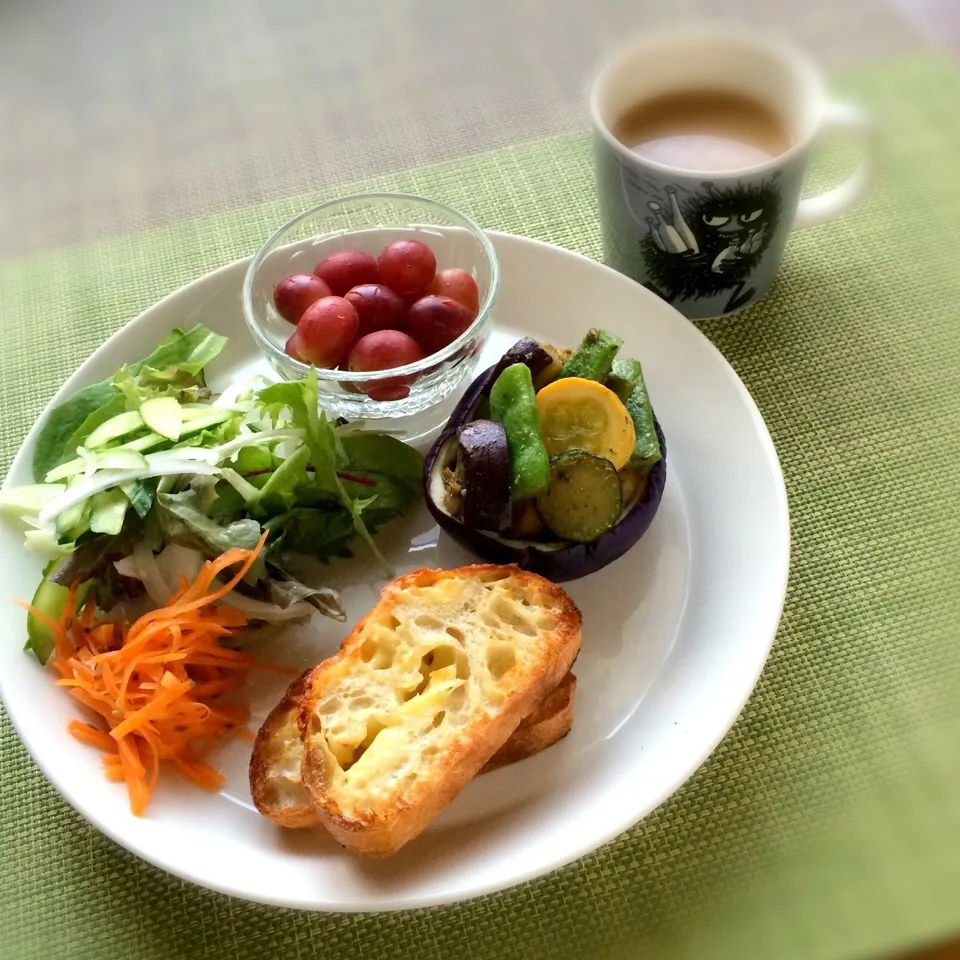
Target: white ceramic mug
x=710, y=242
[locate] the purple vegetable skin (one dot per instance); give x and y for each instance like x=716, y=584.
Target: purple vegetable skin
x=557, y=562
x=484, y=467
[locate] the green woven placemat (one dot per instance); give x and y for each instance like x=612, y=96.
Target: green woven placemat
x=827, y=823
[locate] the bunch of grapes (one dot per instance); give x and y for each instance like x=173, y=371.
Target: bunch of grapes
x=361, y=313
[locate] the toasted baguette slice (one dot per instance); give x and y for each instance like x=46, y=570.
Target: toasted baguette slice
x=547, y=725
x=275, y=784
x=424, y=691
x=279, y=794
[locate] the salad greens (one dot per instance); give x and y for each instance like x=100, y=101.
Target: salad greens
x=181, y=356
x=141, y=477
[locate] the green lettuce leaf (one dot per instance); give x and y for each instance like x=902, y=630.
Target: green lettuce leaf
x=228, y=504
x=317, y=532
x=183, y=520
x=188, y=387
x=301, y=397
x=189, y=350
x=254, y=459
x=65, y=422
x=325, y=599
x=92, y=558
x=111, y=408
x=383, y=454
x=279, y=493
x=140, y=493
x=384, y=497
x=72, y=421
x=129, y=388
x=174, y=382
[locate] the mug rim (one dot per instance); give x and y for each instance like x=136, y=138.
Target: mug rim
x=787, y=53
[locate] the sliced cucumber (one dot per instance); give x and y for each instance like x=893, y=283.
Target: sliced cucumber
x=210, y=417
x=206, y=454
x=45, y=543
x=89, y=459
x=624, y=377
x=30, y=499
x=582, y=501
x=142, y=444
x=121, y=459
x=199, y=411
x=74, y=521
x=48, y=600
x=593, y=359
x=161, y=464
x=113, y=429
x=67, y=470
x=103, y=459
x=163, y=415
x=117, y=458
x=108, y=510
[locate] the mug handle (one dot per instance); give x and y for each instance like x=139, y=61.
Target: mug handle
x=824, y=207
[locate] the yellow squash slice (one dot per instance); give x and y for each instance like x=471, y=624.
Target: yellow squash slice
x=578, y=414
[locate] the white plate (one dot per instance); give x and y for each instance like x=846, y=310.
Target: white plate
x=674, y=634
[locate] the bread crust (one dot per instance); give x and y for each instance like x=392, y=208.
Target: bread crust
x=547, y=725
x=383, y=823
x=277, y=739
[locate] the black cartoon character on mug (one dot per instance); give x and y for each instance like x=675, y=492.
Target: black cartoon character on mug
x=713, y=244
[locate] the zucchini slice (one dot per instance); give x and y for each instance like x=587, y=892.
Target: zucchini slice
x=583, y=499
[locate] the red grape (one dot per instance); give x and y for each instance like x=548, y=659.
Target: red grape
x=347, y=268
x=292, y=347
x=292, y=295
x=458, y=285
x=384, y=350
x=327, y=331
x=436, y=321
x=407, y=266
x=378, y=307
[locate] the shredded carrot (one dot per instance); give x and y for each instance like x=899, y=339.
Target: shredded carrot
x=86, y=733
x=113, y=771
x=154, y=684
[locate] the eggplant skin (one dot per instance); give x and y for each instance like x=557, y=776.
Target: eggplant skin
x=558, y=564
x=485, y=491
x=526, y=351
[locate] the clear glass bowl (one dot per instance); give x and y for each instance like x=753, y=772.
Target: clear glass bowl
x=368, y=222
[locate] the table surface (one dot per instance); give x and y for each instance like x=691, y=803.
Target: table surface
x=135, y=115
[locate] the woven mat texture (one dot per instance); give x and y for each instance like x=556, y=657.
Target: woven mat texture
x=130, y=114
x=827, y=823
